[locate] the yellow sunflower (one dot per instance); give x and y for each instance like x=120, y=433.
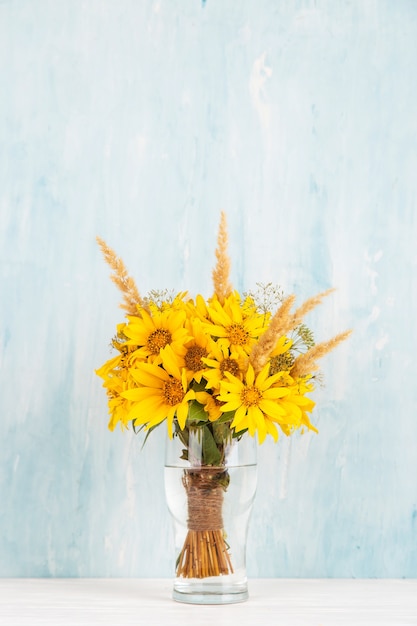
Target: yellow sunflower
x=114, y=376
x=211, y=404
x=196, y=349
x=281, y=358
x=151, y=333
x=161, y=393
x=118, y=409
x=259, y=403
x=236, y=324
x=221, y=360
x=197, y=309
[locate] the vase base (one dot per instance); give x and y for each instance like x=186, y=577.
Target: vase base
x=209, y=591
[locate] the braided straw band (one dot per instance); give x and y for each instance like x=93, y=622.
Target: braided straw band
x=204, y=488
x=205, y=552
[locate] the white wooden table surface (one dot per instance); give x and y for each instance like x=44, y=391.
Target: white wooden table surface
x=275, y=602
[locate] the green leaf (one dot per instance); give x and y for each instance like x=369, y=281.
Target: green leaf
x=181, y=434
x=239, y=435
x=149, y=430
x=226, y=417
x=201, y=386
x=137, y=430
x=184, y=455
x=196, y=413
x=221, y=433
x=211, y=453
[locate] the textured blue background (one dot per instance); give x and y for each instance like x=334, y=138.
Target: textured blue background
x=140, y=121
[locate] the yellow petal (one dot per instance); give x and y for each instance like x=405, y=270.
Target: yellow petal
x=250, y=376
x=271, y=408
x=239, y=418
x=148, y=374
x=182, y=414
x=233, y=405
x=276, y=392
x=170, y=362
x=272, y=429
x=259, y=420
x=138, y=394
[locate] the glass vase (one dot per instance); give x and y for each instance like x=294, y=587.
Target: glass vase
x=210, y=506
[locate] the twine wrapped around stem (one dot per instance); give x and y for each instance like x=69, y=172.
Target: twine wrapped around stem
x=205, y=551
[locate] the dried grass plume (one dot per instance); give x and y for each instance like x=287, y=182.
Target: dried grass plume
x=306, y=363
x=221, y=272
x=296, y=319
x=281, y=324
x=266, y=343
x=120, y=276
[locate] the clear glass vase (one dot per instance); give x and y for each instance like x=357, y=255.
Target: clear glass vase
x=210, y=506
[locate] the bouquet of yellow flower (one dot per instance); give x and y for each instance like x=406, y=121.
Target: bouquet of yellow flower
x=227, y=366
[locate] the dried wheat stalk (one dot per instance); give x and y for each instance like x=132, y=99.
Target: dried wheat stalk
x=205, y=552
x=296, y=319
x=220, y=274
x=120, y=276
x=281, y=323
x=266, y=343
x=306, y=363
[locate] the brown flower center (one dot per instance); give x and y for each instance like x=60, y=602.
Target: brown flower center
x=237, y=334
x=281, y=363
x=173, y=392
x=193, y=358
x=251, y=396
x=158, y=340
x=229, y=365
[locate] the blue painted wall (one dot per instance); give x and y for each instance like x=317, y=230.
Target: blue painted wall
x=140, y=121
